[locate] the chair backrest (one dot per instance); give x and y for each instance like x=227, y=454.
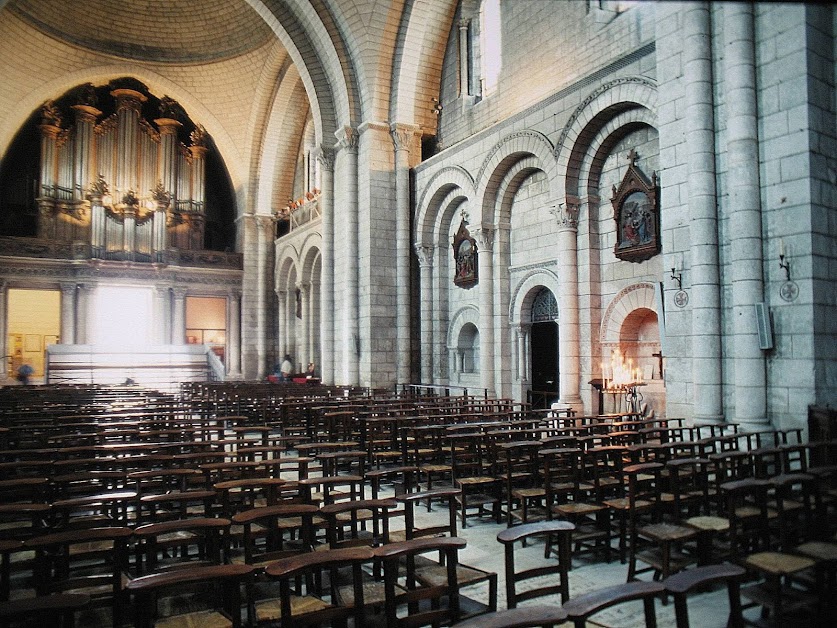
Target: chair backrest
x=303, y=575
x=264, y=529
x=394, y=555
x=560, y=534
x=344, y=521
x=148, y=591
x=198, y=539
x=581, y=608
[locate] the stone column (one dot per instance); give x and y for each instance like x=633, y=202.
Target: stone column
x=282, y=322
x=178, y=323
x=266, y=247
x=569, y=354
x=485, y=243
x=326, y=367
x=425, y=257
x=348, y=140
x=464, y=82
x=84, y=149
x=4, y=328
x=703, y=227
x=68, y=313
x=234, y=335
x=746, y=261
x=403, y=137
x=520, y=367
x=308, y=331
x=84, y=295
x=162, y=314
x=440, y=318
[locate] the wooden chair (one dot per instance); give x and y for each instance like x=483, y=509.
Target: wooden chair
x=443, y=599
x=216, y=589
x=523, y=479
x=680, y=585
x=475, y=476
x=181, y=543
x=58, y=609
x=523, y=617
x=656, y=542
x=345, y=522
x=274, y=532
x=91, y=561
x=579, y=609
x=559, y=533
x=308, y=588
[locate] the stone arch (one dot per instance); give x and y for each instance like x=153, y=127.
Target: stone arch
x=594, y=112
x=508, y=187
x=424, y=31
x=287, y=266
x=524, y=292
x=637, y=296
x=437, y=189
x=310, y=251
x=464, y=315
x=500, y=159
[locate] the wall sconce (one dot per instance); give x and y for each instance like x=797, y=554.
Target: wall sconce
x=437, y=106
x=678, y=277
x=782, y=263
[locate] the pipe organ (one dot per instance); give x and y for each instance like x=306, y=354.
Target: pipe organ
x=122, y=186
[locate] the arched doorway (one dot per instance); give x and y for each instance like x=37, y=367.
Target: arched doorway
x=544, y=352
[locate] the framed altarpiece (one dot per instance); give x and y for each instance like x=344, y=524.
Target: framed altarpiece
x=465, y=257
x=637, y=215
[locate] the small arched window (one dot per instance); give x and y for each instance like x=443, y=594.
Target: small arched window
x=544, y=307
x=468, y=347
x=491, y=45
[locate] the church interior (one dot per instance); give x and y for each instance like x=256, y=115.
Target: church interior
x=329, y=288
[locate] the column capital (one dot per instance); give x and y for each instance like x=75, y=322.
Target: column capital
x=403, y=135
x=464, y=23
x=425, y=255
x=325, y=155
x=347, y=138
x=179, y=293
x=66, y=288
x=566, y=215
x=484, y=236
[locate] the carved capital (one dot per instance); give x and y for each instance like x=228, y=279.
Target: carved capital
x=485, y=238
x=425, y=255
x=179, y=293
x=68, y=289
x=347, y=138
x=566, y=215
x=326, y=156
x=402, y=135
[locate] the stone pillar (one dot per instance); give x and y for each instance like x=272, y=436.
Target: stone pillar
x=403, y=137
x=440, y=318
x=178, y=322
x=68, y=313
x=4, y=328
x=746, y=261
x=84, y=295
x=326, y=367
x=425, y=257
x=348, y=140
x=234, y=335
x=485, y=243
x=569, y=354
x=266, y=248
x=84, y=147
x=250, y=305
x=464, y=78
x=282, y=322
x=520, y=367
x=703, y=227
x=162, y=314
x=306, y=346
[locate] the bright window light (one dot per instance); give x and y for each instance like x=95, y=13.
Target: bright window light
x=491, y=44
x=122, y=317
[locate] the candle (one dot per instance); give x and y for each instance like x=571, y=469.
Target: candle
x=781, y=247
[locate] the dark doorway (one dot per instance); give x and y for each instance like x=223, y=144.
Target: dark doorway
x=544, y=363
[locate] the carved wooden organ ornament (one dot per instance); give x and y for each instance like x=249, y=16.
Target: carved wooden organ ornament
x=123, y=184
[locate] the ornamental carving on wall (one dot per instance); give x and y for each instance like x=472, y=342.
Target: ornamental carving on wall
x=637, y=215
x=465, y=257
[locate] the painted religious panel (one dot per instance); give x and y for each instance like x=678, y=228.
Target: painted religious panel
x=637, y=215
x=465, y=257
